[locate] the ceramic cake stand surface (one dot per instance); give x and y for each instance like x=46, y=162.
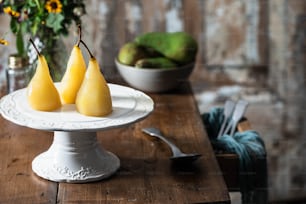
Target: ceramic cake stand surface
x=75, y=155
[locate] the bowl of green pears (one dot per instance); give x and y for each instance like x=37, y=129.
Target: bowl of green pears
x=157, y=61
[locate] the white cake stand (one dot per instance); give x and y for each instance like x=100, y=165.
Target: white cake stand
x=75, y=155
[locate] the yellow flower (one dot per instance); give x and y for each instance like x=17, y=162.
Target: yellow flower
x=11, y=12
x=3, y=42
x=15, y=14
x=54, y=6
x=7, y=10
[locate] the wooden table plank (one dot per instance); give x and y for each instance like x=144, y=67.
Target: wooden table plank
x=146, y=174
x=18, y=147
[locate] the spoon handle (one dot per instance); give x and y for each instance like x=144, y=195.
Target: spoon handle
x=237, y=115
x=156, y=133
x=228, y=110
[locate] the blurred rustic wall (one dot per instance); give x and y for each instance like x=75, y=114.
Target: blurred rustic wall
x=257, y=42
x=287, y=45
x=231, y=34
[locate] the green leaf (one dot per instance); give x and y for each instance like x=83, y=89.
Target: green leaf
x=32, y=3
x=54, y=21
x=14, y=26
x=20, y=43
x=23, y=27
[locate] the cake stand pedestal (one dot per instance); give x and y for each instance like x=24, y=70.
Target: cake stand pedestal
x=75, y=155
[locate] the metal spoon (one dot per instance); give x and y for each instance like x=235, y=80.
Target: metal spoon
x=228, y=110
x=238, y=113
x=177, y=154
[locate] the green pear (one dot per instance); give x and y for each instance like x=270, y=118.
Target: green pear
x=178, y=46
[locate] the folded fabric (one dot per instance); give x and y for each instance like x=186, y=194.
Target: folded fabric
x=247, y=145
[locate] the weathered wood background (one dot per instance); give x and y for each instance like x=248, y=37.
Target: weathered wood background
x=242, y=41
x=229, y=33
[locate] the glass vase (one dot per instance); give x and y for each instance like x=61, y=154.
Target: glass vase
x=55, y=53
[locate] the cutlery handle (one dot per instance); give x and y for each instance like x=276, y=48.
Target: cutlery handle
x=221, y=132
x=239, y=111
x=175, y=150
x=228, y=127
x=227, y=112
x=233, y=128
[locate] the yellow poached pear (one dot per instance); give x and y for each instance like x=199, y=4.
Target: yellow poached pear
x=73, y=77
x=94, y=98
x=41, y=92
x=74, y=74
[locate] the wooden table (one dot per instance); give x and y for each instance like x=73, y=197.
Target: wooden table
x=146, y=174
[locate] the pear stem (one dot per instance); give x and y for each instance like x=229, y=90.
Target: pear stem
x=91, y=55
x=80, y=35
x=32, y=42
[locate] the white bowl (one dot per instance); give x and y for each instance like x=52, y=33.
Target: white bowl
x=154, y=80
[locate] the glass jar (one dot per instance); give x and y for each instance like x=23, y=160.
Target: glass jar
x=17, y=73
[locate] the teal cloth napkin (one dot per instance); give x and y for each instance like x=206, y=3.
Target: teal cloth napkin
x=247, y=145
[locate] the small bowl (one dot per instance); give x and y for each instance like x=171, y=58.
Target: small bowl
x=154, y=80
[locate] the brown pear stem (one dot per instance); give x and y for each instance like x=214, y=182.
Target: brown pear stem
x=80, y=35
x=31, y=41
x=91, y=55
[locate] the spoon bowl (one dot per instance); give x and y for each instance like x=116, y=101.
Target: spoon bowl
x=177, y=154
x=185, y=158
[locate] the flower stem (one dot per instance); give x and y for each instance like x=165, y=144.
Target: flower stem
x=20, y=43
x=38, y=4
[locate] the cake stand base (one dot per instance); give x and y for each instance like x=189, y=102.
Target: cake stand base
x=75, y=157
